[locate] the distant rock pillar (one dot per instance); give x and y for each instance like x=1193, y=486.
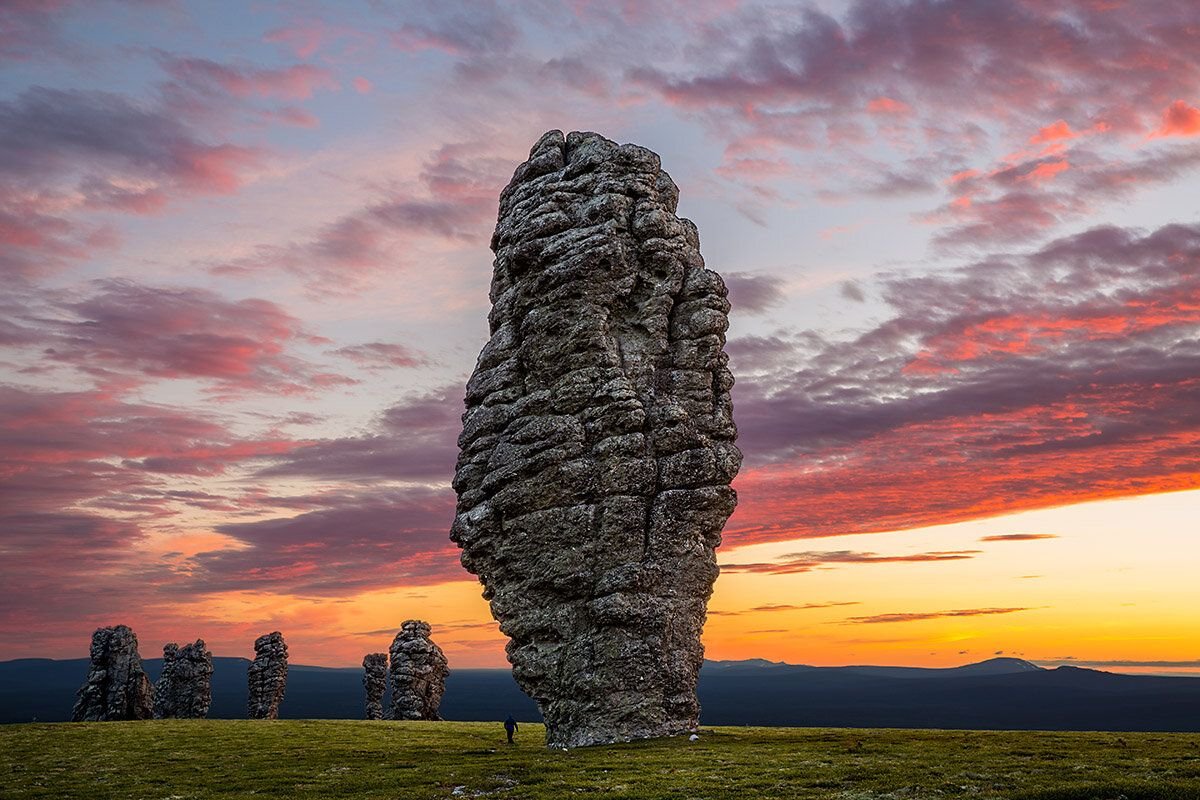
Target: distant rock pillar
x=184, y=689
x=418, y=670
x=375, y=670
x=117, y=687
x=267, y=676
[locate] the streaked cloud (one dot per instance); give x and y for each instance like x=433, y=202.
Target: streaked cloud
x=919, y=616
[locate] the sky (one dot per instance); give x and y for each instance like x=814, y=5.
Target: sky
x=244, y=258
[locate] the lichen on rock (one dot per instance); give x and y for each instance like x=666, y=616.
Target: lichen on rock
x=117, y=687
x=597, y=447
x=418, y=670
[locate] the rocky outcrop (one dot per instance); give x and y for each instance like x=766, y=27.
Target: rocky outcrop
x=598, y=442
x=375, y=670
x=268, y=676
x=418, y=670
x=184, y=687
x=117, y=687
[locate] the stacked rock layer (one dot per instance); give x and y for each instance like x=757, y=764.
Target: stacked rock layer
x=375, y=670
x=184, y=688
x=418, y=670
x=598, y=443
x=117, y=687
x=267, y=676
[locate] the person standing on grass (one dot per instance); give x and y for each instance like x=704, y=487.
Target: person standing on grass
x=510, y=727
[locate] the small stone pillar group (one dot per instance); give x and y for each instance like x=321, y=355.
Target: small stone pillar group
x=117, y=687
x=417, y=669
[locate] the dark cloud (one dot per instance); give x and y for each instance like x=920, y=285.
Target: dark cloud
x=918, y=616
x=948, y=83
x=380, y=540
x=415, y=440
x=1019, y=381
x=852, y=290
x=469, y=29
x=294, y=82
x=751, y=293
x=64, y=153
x=1017, y=537
x=804, y=607
x=808, y=561
x=975, y=59
x=49, y=132
x=381, y=355
x=168, y=332
x=456, y=202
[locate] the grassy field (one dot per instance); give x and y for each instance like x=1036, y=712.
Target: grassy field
x=328, y=758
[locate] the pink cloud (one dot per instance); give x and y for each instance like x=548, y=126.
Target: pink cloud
x=1065, y=374
x=1180, y=119
x=296, y=82
x=381, y=355
x=886, y=105
x=362, y=85
x=1053, y=133
x=455, y=202
x=141, y=331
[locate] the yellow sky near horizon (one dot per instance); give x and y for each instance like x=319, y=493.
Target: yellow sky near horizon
x=1115, y=584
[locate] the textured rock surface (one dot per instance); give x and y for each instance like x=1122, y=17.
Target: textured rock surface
x=184, y=687
x=375, y=670
x=268, y=676
x=116, y=687
x=598, y=442
x=418, y=670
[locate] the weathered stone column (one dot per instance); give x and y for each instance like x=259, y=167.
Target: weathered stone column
x=117, y=686
x=375, y=670
x=184, y=688
x=598, y=442
x=267, y=676
x=418, y=671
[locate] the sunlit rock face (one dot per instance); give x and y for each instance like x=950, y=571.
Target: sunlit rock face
x=375, y=670
x=184, y=688
x=598, y=443
x=418, y=670
x=117, y=687
x=267, y=676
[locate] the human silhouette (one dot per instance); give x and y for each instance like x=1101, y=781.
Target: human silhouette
x=510, y=727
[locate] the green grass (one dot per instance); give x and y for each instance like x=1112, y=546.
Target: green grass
x=334, y=758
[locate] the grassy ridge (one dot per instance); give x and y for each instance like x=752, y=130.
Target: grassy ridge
x=334, y=758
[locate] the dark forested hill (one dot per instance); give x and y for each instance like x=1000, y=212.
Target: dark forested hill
x=995, y=694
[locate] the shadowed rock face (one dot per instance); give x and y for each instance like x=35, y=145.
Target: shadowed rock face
x=184, y=688
x=598, y=442
x=375, y=670
x=117, y=687
x=418, y=671
x=267, y=676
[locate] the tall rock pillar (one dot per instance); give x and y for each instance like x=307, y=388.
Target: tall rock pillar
x=597, y=447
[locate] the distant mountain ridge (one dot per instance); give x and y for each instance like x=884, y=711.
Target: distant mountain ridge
x=1000, y=693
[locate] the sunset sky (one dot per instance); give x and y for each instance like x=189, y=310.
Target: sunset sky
x=244, y=258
